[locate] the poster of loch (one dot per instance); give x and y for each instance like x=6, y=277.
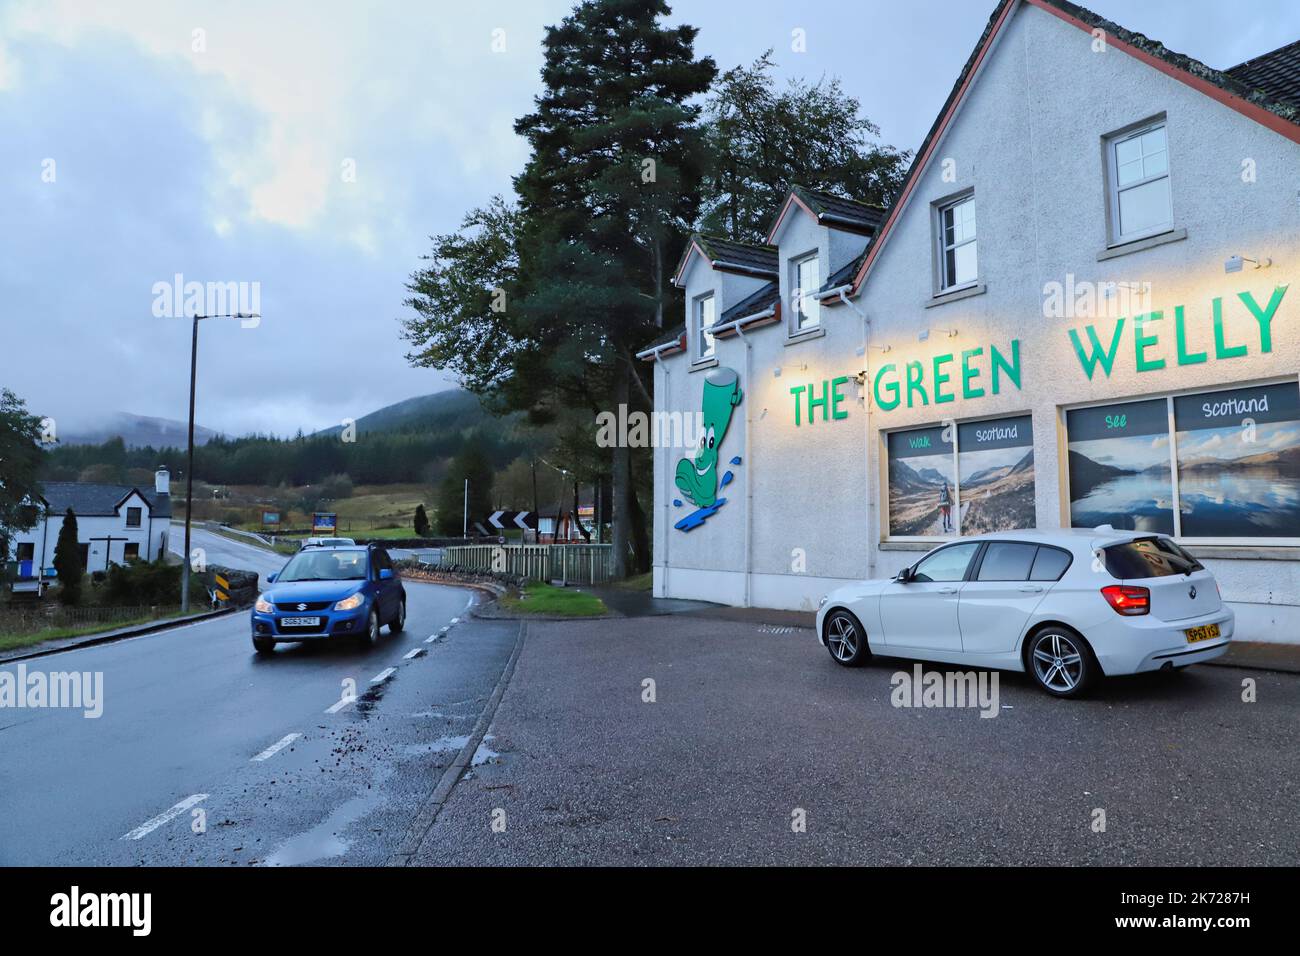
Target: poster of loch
x=1119, y=466
x=1239, y=462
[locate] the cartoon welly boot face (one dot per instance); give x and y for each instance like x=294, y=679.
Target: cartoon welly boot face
x=698, y=477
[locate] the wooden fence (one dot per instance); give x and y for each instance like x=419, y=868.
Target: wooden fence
x=565, y=563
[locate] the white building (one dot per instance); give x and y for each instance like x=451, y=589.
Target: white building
x=1114, y=338
x=115, y=523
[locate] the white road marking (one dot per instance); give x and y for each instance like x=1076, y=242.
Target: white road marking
x=343, y=702
x=276, y=747
x=431, y=638
x=454, y=620
x=149, y=826
x=414, y=652
x=383, y=675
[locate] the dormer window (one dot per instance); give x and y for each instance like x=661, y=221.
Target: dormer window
x=805, y=281
x=703, y=326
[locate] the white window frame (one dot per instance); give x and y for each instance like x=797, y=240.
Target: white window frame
x=1063, y=468
x=1112, y=141
x=804, y=304
x=942, y=284
x=702, y=340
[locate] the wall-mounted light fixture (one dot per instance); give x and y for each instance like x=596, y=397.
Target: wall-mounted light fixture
x=882, y=349
x=1236, y=263
x=776, y=372
x=924, y=334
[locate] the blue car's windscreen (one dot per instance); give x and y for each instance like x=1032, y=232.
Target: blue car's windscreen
x=325, y=565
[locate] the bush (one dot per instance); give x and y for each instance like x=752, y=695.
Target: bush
x=144, y=583
x=336, y=487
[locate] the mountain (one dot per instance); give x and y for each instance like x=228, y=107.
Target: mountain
x=136, y=431
x=1086, y=474
x=451, y=410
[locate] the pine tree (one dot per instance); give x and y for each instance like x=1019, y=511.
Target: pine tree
x=471, y=463
x=421, y=522
x=67, y=561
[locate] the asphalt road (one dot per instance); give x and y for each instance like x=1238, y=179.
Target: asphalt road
x=186, y=712
x=751, y=726
x=226, y=552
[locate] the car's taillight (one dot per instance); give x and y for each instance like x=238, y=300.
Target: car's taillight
x=1128, y=600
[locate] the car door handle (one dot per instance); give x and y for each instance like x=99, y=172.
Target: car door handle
x=947, y=590
x=1031, y=588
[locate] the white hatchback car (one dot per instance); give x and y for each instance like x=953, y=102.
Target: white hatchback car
x=1067, y=606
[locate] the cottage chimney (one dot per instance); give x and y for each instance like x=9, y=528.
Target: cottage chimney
x=162, y=481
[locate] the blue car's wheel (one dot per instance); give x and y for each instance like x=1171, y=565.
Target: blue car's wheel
x=399, y=620
x=370, y=637
x=264, y=645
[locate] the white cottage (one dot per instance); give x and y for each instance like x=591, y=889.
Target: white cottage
x=1082, y=308
x=115, y=523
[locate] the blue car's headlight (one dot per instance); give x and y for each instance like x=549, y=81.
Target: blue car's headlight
x=263, y=606
x=350, y=603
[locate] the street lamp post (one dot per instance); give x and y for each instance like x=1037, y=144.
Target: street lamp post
x=189, y=454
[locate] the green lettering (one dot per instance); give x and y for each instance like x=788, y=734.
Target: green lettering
x=1142, y=342
x=914, y=383
x=1264, y=316
x=1221, y=349
x=796, y=392
x=968, y=373
x=1012, y=369
x=1105, y=359
x=836, y=397
x=890, y=387
x=814, y=403
x=940, y=378
x=1180, y=337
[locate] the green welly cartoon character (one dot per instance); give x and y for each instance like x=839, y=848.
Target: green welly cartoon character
x=698, y=477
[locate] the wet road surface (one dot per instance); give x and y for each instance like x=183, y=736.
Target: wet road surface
x=263, y=756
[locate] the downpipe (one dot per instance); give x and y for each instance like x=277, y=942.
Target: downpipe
x=749, y=483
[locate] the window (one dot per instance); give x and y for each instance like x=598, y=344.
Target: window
x=1237, y=455
x=983, y=482
x=957, y=260
x=1148, y=558
x=1007, y=561
x=946, y=564
x=133, y=517
x=805, y=277
x=703, y=326
x=26, y=551
x=1138, y=167
x=1050, y=564
x=131, y=551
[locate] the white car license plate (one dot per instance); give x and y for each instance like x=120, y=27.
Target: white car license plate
x=300, y=622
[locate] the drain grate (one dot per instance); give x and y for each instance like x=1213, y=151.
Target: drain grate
x=775, y=629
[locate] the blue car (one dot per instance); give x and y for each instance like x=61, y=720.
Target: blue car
x=330, y=592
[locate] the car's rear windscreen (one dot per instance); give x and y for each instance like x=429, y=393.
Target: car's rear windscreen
x=1148, y=558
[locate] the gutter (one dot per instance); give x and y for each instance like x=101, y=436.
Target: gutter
x=654, y=352
x=735, y=324
x=749, y=484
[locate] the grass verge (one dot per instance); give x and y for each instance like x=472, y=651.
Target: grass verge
x=539, y=598
x=12, y=642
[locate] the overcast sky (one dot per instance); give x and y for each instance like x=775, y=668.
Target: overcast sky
x=231, y=163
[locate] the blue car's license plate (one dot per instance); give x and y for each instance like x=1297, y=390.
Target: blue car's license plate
x=300, y=622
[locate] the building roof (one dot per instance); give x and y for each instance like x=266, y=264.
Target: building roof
x=91, y=499
x=829, y=209
x=1266, y=106
x=1276, y=75
x=765, y=298
x=729, y=256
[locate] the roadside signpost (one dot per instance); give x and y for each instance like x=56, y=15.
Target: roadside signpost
x=271, y=519
x=524, y=520
x=323, y=522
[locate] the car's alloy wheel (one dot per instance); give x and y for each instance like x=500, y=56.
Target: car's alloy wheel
x=264, y=645
x=1061, y=662
x=371, y=635
x=395, y=626
x=845, y=639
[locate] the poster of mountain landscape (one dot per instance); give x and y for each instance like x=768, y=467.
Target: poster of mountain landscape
x=1119, y=466
x=1239, y=462
x=922, y=483
x=995, y=471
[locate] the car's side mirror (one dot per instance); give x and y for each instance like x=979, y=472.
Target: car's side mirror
x=903, y=576
x=385, y=574
x=270, y=578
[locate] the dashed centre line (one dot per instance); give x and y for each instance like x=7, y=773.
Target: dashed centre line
x=276, y=747
x=172, y=813
x=414, y=652
x=383, y=675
